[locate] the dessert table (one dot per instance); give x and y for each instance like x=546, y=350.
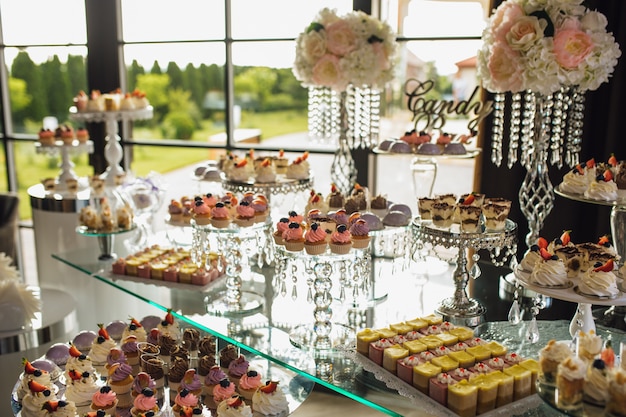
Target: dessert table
x=265, y=333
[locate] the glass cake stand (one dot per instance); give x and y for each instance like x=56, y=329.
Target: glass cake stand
x=238, y=245
x=105, y=240
x=502, y=245
x=322, y=272
x=66, y=150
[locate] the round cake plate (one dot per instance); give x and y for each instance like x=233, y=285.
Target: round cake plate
x=304, y=337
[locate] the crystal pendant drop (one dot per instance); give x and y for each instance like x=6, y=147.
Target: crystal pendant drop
x=475, y=271
x=294, y=293
x=309, y=295
x=342, y=295
x=532, y=332
x=515, y=315
x=283, y=289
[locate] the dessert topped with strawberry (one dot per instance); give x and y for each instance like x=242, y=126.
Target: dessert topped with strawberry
x=169, y=326
x=550, y=271
x=269, y=399
x=134, y=328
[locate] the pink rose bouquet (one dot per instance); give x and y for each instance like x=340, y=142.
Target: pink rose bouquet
x=542, y=46
x=336, y=51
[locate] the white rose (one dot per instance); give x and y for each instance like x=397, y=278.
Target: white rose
x=314, y=46
x=594, y=21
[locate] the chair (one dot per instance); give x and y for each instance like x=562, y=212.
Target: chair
x=9, y=217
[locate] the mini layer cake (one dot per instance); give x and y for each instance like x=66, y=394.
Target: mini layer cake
x=404, y=368
x=445, y=362
x=495, y=348
x=506, y=386
x=422, y=374
x=464, y=359
x=432, y=342
x=364, y=338
x=497, y=364
x=401, y=328
x=438, y=387
x=461, y=373
x=487, y=393
x=463, y=333
x=377, y=348
x=533, y=366
x=463, y=398
x=480, y=353
x=522, y=378
x=414, y=346
x=417, y=323
x=391, y=356
x=448, y=339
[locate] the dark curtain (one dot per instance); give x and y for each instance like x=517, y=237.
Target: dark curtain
x=603, y=135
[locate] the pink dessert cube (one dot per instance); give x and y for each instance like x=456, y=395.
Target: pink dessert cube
x=438, y=387
x=171, y=274
x=433, y=329
x=404, y=368
x=461, y=373
x=119, y=266
x=496, y=363
x=200, y=277
x=481, y=368
x=376, y=350
x=144, y=271
x=512, y=358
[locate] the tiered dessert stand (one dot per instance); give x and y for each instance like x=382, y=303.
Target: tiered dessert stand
x=615, y=316
x=274, y=191
x=322, y=272
x=113, y=151
x=461, y=309
x=238, y=245
x=66, y=150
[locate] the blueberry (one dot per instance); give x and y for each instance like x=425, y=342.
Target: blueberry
x=224, y=383
x=292, y=214
x=220, y=204
x=284, y=220
x=198, y=203
x=599, y=364
x=534, y=248
x=314, y=226
x=342, y=228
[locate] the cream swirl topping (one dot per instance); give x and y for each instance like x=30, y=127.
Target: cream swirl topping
x=270, y=403
x=576, y=183
x=602, y=190
x=600, y=283
x=596, y=384
x=530, y=259
x=555, y=351
x=549, y=273
x=572, y=368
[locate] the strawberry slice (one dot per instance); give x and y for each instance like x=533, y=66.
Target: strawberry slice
x=51, y=406
x=269, y=387
x=135, y=322
x=169, y=318
x=266, y=162
x=74, y=352
x=545, y=254
x=604, y=240
x=591, y=163
x=305, y=155
x=608, y=175
x=580, y=169
x=102, y=331
x=241, y=163
x=35, y=386
x=312, y=193
x=281, y=153
x=607, y=267
x=565, y=238
x=613, y=160
x=469, y=200
x=236, y=401
x=28, y=367
x=542, y=242
x=333, y=188
x=75, y=375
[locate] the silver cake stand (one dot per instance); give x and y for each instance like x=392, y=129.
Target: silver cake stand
x=461, y=309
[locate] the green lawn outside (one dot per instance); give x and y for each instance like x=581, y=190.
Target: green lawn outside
x=33, y=167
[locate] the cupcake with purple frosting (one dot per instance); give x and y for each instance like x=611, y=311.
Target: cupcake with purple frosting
x=212, y=379
x=237, y=368
x=359, y=231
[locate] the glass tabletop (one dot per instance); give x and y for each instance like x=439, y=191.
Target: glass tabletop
x=265, y=333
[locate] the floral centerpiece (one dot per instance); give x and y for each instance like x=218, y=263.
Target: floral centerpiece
x=18, y=303
x=543, y=45
x=335, y=51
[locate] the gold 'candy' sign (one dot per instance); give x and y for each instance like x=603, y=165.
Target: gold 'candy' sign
x=429, y=114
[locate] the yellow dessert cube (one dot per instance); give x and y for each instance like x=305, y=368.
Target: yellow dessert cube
x=522, y=378
x=414, y=346
x=533, y=366
x=496, y=349
x=464, y=359
x=401, y=328
x=417, y=323
x=487, y=393
x=448, y=339
x=445, y=362
x=463, y=398
x=391, y=355
x=422, y=374
x=431, y=341
x=506, y=385
x=480, y=353
x=386, y=333
x=463, y=333
x=364, y=338
x=433, y=319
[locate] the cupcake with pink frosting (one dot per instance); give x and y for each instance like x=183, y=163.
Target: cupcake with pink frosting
x=249, y=383
x=340, y=240
x=144, y=402
x=281, y=227
x=245, y=215
x=315, y=240
x=294, y=237
x=220, y=216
